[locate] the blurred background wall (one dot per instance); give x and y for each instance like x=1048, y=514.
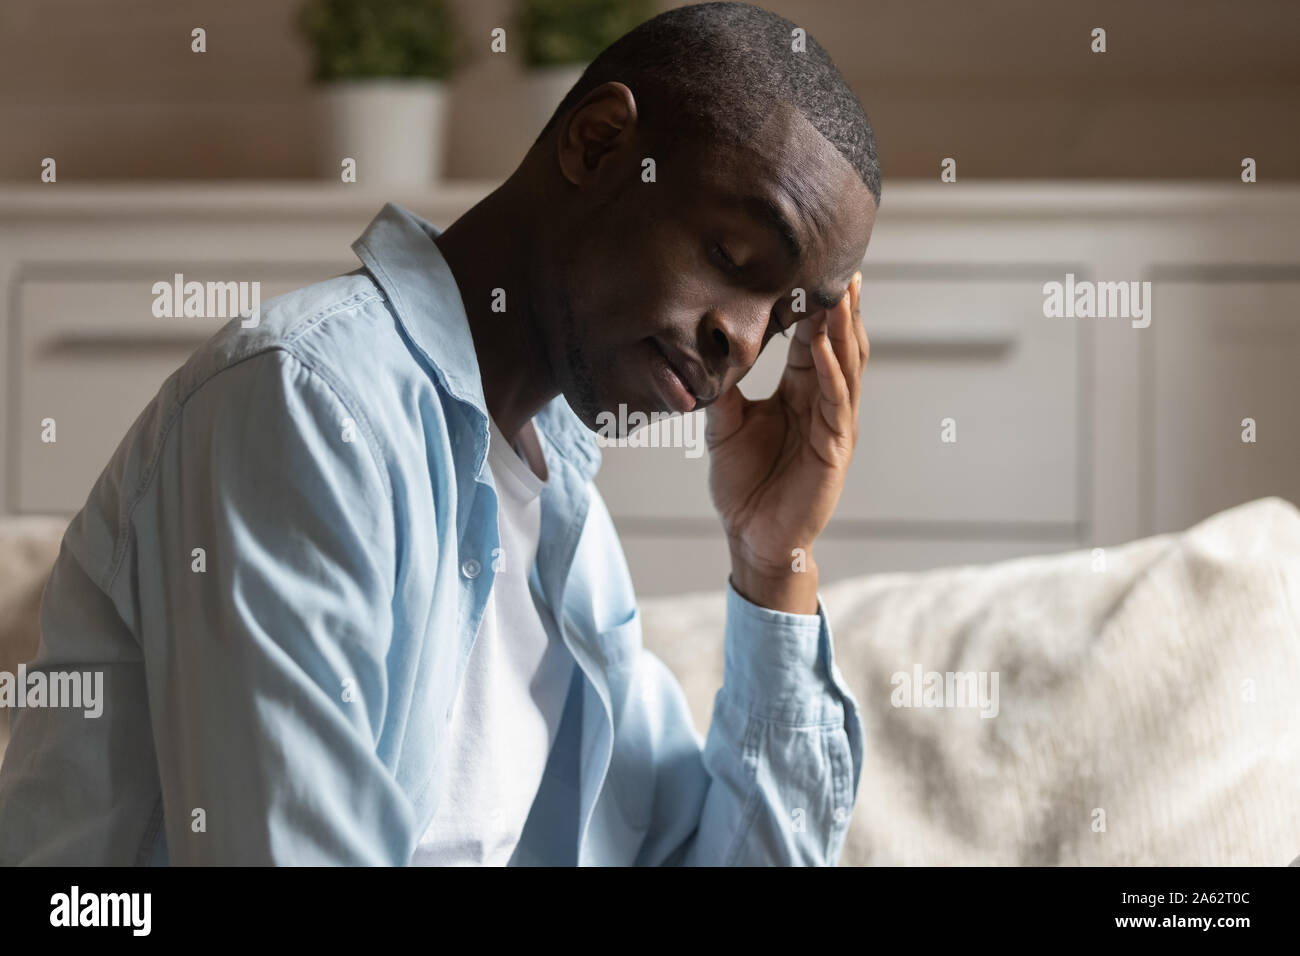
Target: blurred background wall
x=1123, y=166
x=1009, y=88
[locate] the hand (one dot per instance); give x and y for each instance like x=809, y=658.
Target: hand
x=777, y=466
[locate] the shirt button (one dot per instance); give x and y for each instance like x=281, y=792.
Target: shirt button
x=470, y=568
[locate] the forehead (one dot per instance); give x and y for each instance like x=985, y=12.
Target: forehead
x=790, y=167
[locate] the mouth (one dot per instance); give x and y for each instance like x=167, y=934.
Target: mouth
x=669, y=381
x=685, y=373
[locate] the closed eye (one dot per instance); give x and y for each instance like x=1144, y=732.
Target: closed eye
x=728, y=263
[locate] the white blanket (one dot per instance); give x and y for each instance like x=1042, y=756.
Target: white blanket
x=1148, y=712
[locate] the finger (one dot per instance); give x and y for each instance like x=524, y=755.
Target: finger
x=844, y=340
x=859, y=325
x=860, y=332
x=799, y=355
x=856, y=310
x=832, y=419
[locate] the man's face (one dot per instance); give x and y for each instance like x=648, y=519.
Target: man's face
x=683, y=281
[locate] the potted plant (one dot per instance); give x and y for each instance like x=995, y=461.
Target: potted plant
x=382, y=67
x=561, y=37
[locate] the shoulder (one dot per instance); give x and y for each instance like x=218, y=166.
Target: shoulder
x=334, y=349
x=320, y=325
x=279, y=400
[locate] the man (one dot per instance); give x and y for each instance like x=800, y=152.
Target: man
x=354, y=594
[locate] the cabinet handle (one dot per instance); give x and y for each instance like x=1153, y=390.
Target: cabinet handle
x=118, y=343
x=940, y=338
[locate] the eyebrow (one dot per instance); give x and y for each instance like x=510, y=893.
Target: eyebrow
x=766, y=210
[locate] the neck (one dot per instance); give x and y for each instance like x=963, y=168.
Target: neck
x=493, y=247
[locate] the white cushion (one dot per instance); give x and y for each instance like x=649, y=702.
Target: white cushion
x=1162, y=691
x=28, y=546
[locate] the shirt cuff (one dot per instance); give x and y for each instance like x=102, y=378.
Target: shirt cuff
x=778, y=664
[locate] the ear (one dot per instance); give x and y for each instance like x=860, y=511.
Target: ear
x=603, y=121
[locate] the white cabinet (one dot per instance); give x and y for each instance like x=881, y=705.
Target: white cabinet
x=1069, y=432
x=944, y=346
x=1225, y=357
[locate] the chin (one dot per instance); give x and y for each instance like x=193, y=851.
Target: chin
x=609, y=415
x=587, y=407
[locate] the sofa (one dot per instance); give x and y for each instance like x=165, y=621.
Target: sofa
x=1146, y=707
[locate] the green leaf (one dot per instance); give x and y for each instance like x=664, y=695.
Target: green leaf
x=363, y=39
x=557, y=32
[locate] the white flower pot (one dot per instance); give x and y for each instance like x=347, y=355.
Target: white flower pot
x=544, y=87
x=393, y=128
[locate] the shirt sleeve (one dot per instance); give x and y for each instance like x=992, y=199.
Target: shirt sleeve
x=777, y=776
x=265, y=635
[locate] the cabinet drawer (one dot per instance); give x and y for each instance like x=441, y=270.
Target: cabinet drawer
x=1223, y=351
x=944, y=345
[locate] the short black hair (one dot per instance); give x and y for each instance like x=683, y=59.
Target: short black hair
x=718, y=69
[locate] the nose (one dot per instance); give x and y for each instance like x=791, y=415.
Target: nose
x=733, y=337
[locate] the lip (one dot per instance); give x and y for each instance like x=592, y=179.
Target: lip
x=669, y=382
x=690, y=371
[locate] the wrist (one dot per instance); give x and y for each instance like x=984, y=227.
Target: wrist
x=789, y=587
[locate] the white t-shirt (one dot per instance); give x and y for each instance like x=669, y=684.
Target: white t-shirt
x=508, y=707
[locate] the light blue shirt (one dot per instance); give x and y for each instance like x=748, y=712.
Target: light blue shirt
x=281, y=573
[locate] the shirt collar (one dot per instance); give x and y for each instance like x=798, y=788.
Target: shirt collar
x=398, y=249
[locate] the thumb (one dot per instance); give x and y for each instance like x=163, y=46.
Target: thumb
x=725, y=414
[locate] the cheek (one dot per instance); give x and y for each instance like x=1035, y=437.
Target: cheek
x=627, y=304
x=641, y=281
x=677, y=289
